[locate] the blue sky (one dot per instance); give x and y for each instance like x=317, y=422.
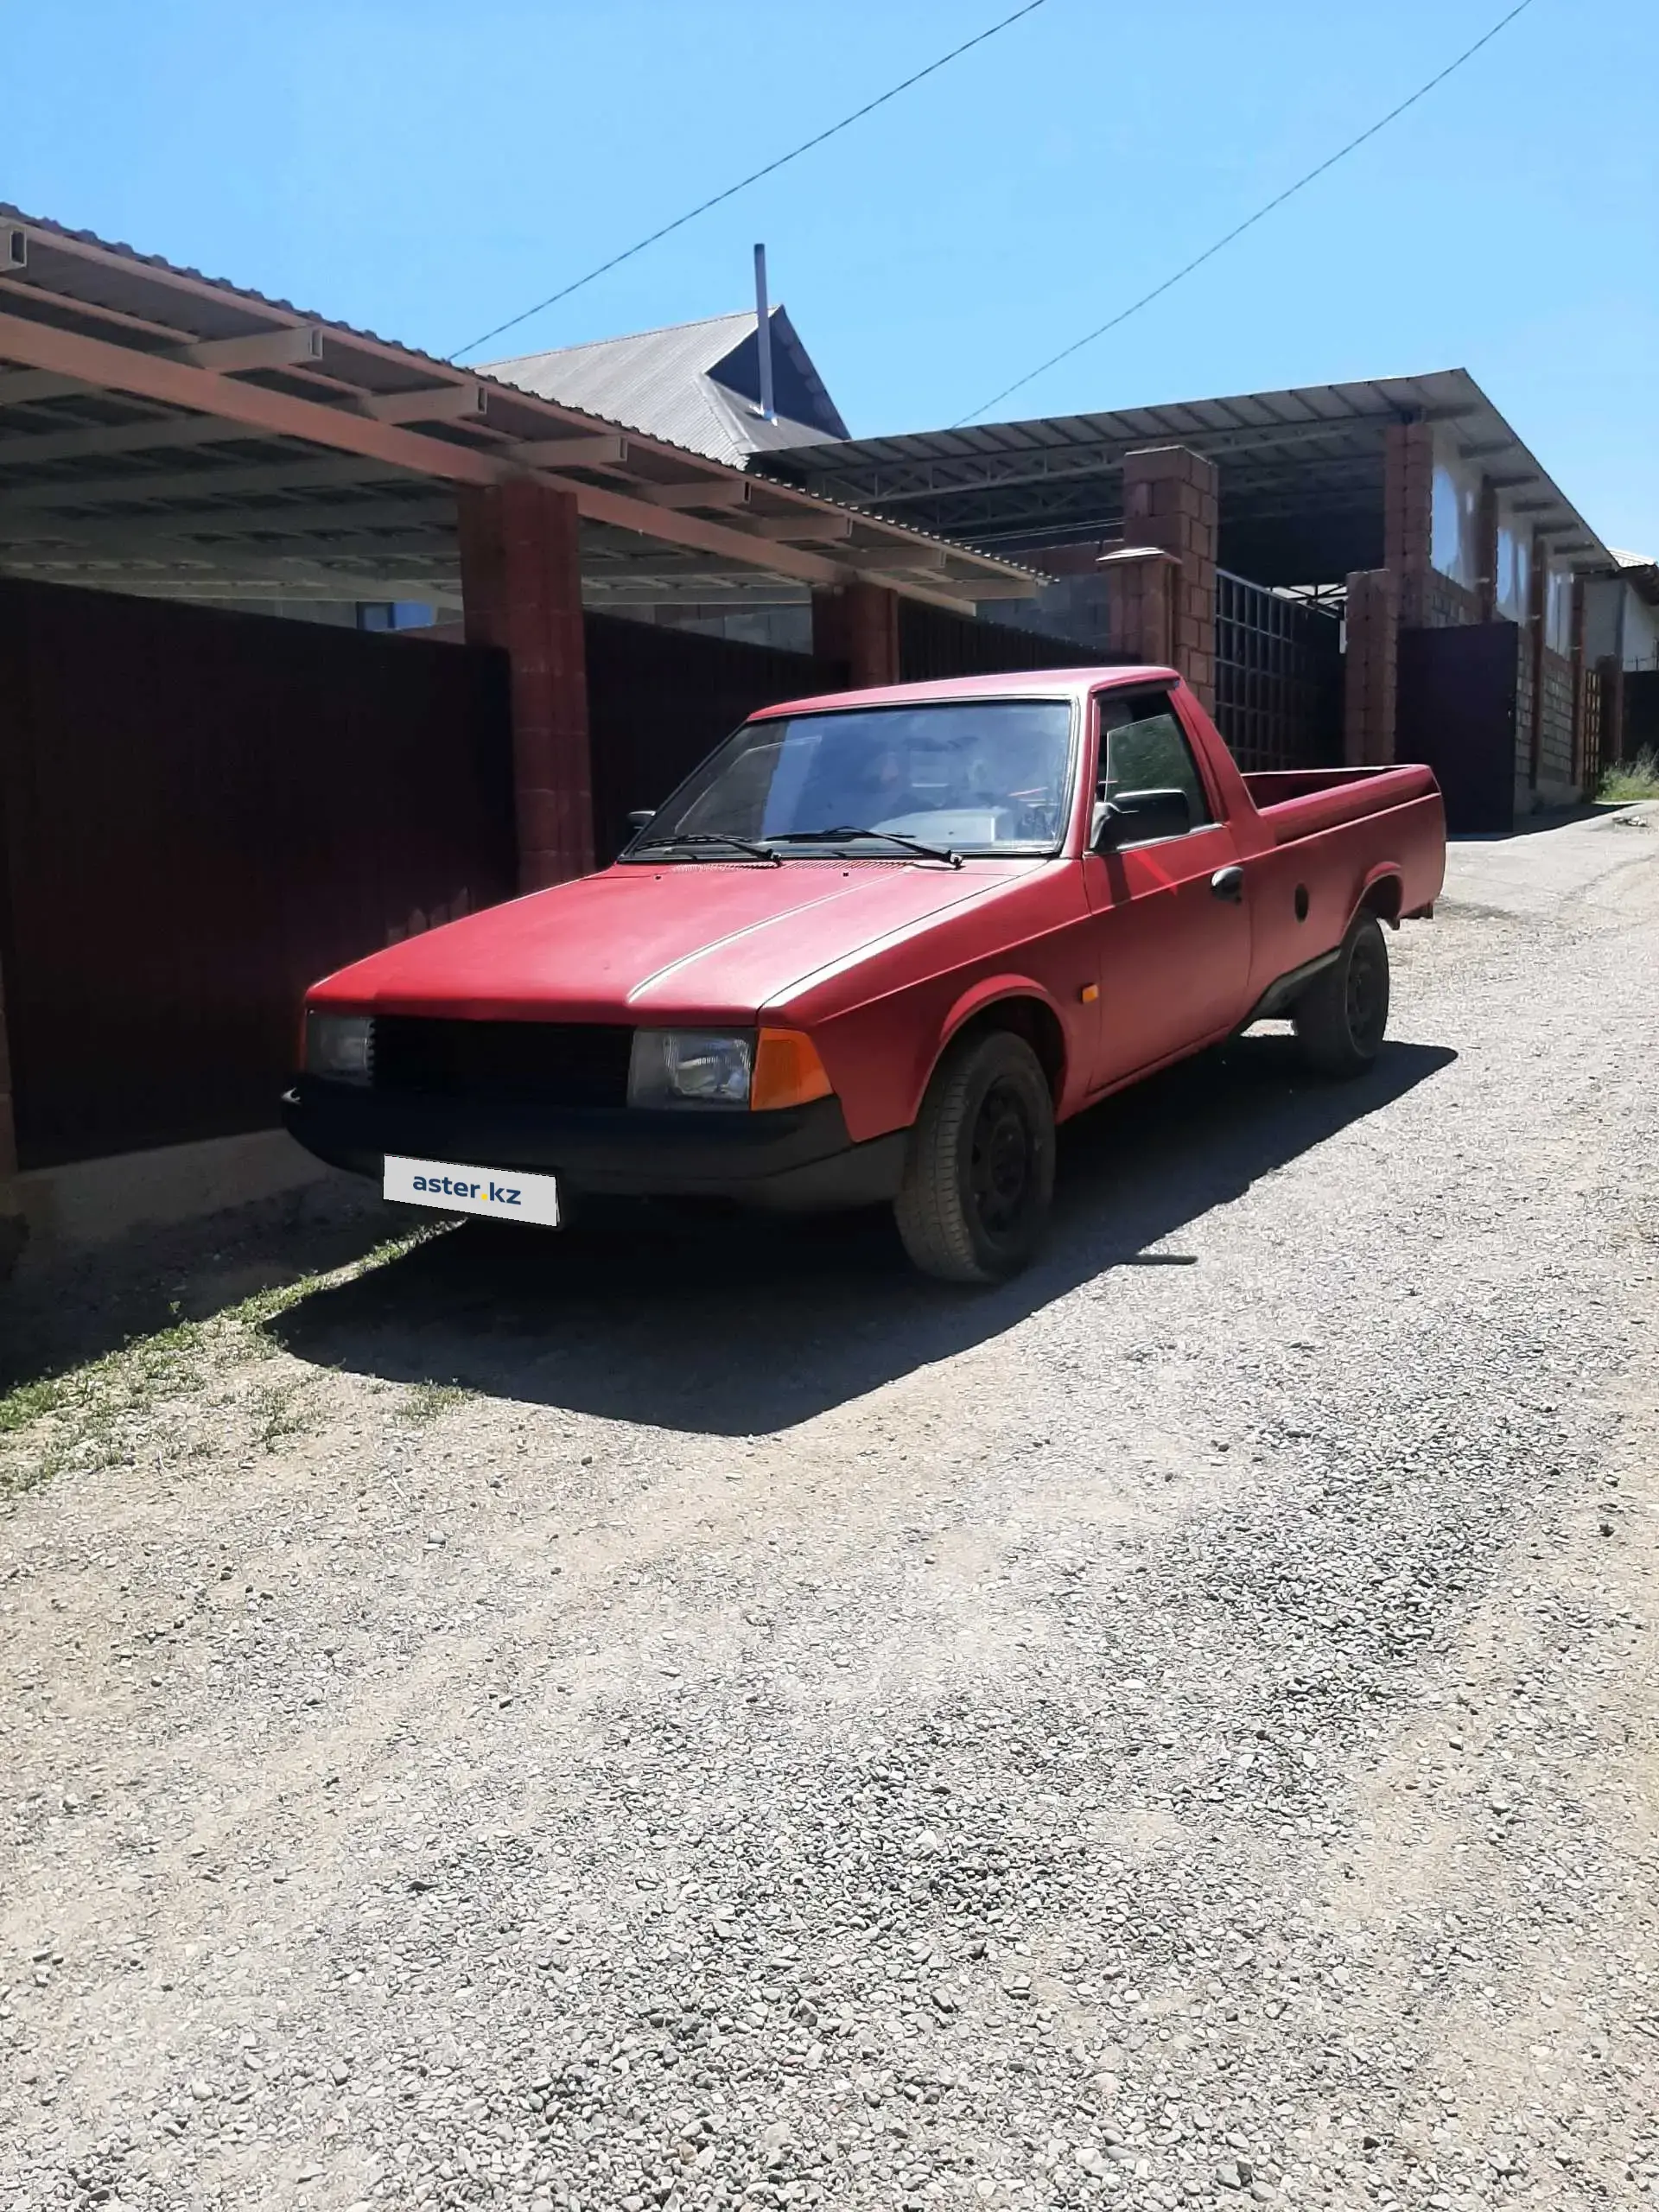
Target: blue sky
x=424, y=170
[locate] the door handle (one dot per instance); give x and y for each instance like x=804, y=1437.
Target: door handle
x=1229, y=883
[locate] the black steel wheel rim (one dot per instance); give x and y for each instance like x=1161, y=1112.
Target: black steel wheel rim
x=1002, y=1160
x=1364, y=995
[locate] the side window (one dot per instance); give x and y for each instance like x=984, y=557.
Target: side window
x=1144, y=748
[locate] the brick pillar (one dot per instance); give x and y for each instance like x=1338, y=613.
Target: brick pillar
x=521, y=586
x=1170, y=501
x=1369, y=668
x=1143, y=587
x=1408, y=514
x=12, y=1230
x=858, y=625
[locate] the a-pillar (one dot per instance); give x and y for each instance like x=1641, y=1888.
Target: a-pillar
x=857, y=625
x=521, y=587
x=12, y=1230
x=1170, y=500
x=1369, y=668
x=1407, y=512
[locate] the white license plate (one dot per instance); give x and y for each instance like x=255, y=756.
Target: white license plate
x=504, y=1193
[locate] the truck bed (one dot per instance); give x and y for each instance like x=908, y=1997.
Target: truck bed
x=1296, y=803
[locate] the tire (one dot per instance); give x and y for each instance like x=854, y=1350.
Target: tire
x=1342, y=1016
x=975, y=1202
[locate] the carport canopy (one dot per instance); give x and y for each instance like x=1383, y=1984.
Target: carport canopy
x=165, y=434
x=1301, y=473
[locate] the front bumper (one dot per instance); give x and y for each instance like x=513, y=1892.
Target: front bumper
x=800, y=1159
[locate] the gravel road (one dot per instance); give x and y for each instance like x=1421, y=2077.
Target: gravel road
x=692, y=1715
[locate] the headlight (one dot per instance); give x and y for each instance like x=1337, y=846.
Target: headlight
x=689, y=1067
x=340, y=1046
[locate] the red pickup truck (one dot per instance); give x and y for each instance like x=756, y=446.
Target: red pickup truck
x=873, y=950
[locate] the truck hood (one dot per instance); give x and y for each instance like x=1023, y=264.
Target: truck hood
x=690, y=941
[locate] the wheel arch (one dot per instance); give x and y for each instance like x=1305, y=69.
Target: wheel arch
x=1021, y=1005
x=1383, y=894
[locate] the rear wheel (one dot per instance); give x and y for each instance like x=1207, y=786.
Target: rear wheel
x=1342, y=1016
x=980, y=1181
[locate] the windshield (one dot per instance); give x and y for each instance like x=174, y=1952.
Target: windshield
x=966, y=776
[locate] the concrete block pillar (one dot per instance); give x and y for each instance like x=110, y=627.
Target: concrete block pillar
x=12, y=1228
x=1143, y=587
x=521, y=587
x=858, y=625
x=1408, y=514
x=1370, y=669
x=1171, y=501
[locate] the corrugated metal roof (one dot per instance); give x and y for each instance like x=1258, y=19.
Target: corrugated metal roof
x=1318, y=447
x=316, y=456
x=660, y=381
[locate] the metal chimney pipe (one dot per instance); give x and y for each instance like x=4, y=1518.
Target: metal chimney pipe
x=763, y=333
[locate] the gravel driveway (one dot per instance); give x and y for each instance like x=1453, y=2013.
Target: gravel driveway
x=693, y=1715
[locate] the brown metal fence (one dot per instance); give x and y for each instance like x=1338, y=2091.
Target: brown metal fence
x=659, y=700
x=934, y=643
x=201, y=812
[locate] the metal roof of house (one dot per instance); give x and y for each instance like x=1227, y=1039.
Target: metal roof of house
x=163, y=432
x=1300, y=471
x=1640, y=571
x=670, y=381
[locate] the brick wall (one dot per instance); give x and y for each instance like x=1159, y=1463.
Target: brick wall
x=1428, y=600
x=1445, y=605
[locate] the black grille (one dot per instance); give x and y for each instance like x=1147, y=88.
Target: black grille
x=546, y=1063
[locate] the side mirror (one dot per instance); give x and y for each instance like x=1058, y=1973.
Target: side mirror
x=1136, y=817
x=638, y=818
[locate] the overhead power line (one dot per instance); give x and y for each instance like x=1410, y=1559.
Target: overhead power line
x=1249, y=222
x=754, y=177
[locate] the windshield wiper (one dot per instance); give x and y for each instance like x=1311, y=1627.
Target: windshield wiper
x=846, y=829
x=713, y=837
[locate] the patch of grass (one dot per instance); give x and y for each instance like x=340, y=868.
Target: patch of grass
x=29, y=1401
x=274, y=1413
x=86, y=1413
x=85, y=1417
x=1631, y=779
x=426, y=1401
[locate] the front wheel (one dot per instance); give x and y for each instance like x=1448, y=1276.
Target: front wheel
x=980, y=1181
x=1340, y=1018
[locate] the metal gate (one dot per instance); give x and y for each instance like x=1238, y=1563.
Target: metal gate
x=1278, y=677
x=1458, y=708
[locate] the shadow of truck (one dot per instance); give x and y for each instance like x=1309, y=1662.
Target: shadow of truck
x=733, y=1325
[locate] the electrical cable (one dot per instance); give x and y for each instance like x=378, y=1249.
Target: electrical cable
x=743, y=184
x=1239, y=229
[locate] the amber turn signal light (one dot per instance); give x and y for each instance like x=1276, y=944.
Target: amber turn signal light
x=787, y=1071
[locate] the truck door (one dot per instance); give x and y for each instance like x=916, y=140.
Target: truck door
x=1172, y=929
